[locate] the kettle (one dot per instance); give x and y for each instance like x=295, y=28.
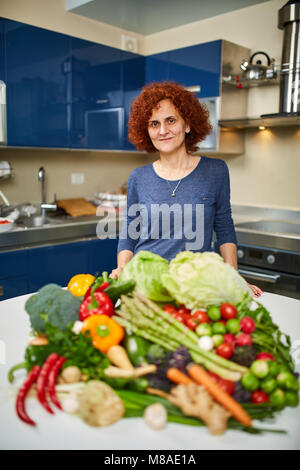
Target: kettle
x=258, y=71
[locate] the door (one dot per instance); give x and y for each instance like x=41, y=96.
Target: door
x=37, y=86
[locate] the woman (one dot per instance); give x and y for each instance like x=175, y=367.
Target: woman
x=177, y=202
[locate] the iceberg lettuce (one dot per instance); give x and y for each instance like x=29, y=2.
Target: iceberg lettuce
x=146, y=269
x=199, y=280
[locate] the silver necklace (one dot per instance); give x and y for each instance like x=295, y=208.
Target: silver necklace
x=175, y=189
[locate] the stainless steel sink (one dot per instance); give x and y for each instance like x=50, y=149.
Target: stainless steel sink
x=36, y=221
x=272, y=226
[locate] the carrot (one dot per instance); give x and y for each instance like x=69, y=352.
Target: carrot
x=201, y=377
x=175, y=375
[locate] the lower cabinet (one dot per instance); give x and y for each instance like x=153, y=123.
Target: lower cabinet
x=26, y=271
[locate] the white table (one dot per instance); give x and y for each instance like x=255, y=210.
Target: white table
x=63, y=431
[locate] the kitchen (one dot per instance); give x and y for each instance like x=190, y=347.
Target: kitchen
x=63, y=162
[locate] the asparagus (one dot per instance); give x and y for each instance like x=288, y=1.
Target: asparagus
x=151, y=322
x=189, y=338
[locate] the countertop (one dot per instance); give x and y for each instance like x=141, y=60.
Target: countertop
x=68, y=229
x=63, y=431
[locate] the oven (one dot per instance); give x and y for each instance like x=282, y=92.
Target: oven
x=276, y=271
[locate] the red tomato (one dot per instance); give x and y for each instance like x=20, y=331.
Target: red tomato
x=243, y=339
x=228, y=311
x=227, y=386
x=191, y=322
x=183, y=309
x=230, y=339
x=169, y=308
x=264, y=356
x=259, y=396
x=247, y=325
x=225, y=350
x=216, y=378
x=179, y=317
x=201, y=316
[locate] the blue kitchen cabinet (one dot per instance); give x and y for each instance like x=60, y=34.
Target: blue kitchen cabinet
x=198, y=65
x=2, y=50
x=157, y=67
x=133, y=78
x=102, y=255
x=38, y=82
x=97, y=100
x=27, y=270
x=13, y=274
x=58, y=263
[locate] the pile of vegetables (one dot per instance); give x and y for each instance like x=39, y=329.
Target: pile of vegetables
x=184, y=343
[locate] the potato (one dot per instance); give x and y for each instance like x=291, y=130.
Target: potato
x=99, y=405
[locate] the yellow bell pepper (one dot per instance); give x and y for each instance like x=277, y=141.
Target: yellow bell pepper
x=104, y=331
x=79, y=284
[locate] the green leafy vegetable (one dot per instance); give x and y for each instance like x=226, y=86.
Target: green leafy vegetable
x=146, y=269
x=53, y=305
x=267, y=335
x=77, y=349
x=199, y=280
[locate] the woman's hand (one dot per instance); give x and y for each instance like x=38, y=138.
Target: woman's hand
x=256, y=291
x=115, y=273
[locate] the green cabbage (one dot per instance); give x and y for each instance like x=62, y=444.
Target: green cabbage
x=199, y=280
x=146, y=269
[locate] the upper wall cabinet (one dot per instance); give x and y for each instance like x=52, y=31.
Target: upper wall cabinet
x=2, y=51
x=133, y=78
x=97, y=96
x=37, y=82
x=195, y=66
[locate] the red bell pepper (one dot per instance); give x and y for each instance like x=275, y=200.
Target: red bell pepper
x=96, y=303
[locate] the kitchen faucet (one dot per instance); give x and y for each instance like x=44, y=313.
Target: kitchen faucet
x=44, y=205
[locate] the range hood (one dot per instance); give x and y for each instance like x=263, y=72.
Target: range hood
x=289, y=101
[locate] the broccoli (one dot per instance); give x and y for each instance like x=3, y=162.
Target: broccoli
x=53, y=305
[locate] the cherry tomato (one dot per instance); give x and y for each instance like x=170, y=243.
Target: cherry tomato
x=264, y=356
x=259, y=396
x=191, y=322
x=184, y=310
x=179, y=317
x=201, y=316
x=227, y=386
x=243, y=339
x=247, y=325
x=215, y=377
x=225, y=350
x=228, y=311
x=169, y=308
x=230, y=339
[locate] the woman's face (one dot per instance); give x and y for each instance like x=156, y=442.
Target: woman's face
x=166, y=128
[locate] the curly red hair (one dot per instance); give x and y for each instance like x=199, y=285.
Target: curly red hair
x=193, y=113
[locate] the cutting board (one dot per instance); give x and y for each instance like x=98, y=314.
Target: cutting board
x=77, y=207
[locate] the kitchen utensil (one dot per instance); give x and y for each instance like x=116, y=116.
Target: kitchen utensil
x=258, y=71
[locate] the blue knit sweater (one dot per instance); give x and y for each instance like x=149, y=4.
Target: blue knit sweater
x=165, y=225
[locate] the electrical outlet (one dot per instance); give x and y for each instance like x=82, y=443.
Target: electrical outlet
x=77, y=178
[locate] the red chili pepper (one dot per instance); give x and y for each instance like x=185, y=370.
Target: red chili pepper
x=21, y=397
x=99, y=304
x=42, y=381
x=52, y=381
